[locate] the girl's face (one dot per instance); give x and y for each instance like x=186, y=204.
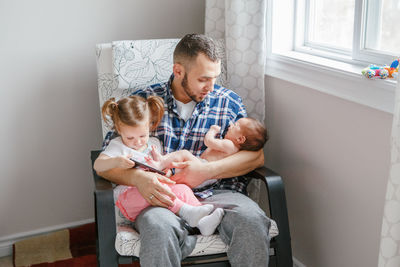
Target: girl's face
x=135, y=137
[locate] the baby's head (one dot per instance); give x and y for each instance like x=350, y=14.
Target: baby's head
x=247, y=134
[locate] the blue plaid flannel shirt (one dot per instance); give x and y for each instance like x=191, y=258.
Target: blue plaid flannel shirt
x=220, y=107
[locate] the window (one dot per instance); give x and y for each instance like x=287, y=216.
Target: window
x=324, y=45
x=348, y=30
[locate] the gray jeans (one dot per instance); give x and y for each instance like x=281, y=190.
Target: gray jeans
x=165, y=241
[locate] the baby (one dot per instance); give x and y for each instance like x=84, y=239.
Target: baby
x=245, y=134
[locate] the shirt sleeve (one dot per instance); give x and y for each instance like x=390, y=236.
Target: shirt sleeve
x=109, y=136
x=241, y=113
x=115, y=148
x=236, y=108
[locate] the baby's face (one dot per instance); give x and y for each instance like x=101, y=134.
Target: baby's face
x=235, y=130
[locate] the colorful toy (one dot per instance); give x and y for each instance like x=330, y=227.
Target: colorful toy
x=382, y=72
x=394, y=68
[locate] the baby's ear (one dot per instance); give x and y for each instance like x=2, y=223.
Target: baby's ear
x=241, y=139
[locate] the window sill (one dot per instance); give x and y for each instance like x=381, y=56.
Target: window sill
x=340, y=79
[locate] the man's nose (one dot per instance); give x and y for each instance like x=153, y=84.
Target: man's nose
x=210, y=85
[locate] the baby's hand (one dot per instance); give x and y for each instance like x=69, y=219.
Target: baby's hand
x=215, y=128
x=124, y=162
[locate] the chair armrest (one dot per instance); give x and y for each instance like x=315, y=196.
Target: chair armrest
x=275, y=189
x=278, y=210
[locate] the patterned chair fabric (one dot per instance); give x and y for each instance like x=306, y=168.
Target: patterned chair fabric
x=125, y=66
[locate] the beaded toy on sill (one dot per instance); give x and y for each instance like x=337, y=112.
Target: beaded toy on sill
x=383, y=72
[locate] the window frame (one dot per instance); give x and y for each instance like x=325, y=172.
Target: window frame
x=359, y=54
x=338, y=77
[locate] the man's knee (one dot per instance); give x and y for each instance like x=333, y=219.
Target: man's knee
x=248, y=219
x=156, y=220
x=245, y=223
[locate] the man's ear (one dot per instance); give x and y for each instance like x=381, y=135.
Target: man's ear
x=241, y=139
x=179, y=70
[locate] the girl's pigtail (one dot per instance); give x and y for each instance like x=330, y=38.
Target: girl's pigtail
x=156, y=106
x=109, y=111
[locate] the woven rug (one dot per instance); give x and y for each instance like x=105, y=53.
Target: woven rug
x=70, y=247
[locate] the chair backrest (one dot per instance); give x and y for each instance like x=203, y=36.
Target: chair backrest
x=125, y=66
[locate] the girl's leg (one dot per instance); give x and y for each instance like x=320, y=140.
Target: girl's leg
x=131, y=203
x=164, y=161
x=188, y=207
x=209, y=223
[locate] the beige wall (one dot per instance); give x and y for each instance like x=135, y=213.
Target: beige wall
x=334, y=157
x=50, y=114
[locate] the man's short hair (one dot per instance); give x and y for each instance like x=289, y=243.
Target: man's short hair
x=191, y=45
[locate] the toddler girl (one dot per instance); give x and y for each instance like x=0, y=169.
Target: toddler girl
x=133, y=118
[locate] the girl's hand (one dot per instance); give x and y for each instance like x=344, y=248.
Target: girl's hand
x=123, y=162
x=156, y=159
x=155, y=154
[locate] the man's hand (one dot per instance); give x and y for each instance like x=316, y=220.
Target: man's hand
x=152, y=188
x=192, y=173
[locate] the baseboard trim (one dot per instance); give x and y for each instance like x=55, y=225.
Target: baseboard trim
x=7, y=242
x=297, y=263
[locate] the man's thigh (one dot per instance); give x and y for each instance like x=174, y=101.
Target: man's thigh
x=241, y=213
x=160, y=228
x=244, y=228
x=231, y=200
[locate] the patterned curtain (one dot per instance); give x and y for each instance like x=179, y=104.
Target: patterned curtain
x=389, y=254
x=241, y=24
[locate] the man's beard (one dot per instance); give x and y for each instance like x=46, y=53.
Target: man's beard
x=187, y=89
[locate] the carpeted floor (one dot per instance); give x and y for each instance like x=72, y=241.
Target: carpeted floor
x=6, y=261
x=66, y=248
x=69, y=247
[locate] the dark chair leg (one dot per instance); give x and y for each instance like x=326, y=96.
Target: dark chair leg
x=278, y=210
x=107, y=256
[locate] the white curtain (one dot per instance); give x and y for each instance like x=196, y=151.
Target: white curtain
x=389, y=254
x=241, y=24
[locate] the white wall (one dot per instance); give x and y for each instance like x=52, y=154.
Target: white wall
x=50, y=114
x=334, y=158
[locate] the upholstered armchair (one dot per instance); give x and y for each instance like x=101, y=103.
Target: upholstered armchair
x=123, y=66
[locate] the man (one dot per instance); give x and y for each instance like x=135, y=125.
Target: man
x=194, y=103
